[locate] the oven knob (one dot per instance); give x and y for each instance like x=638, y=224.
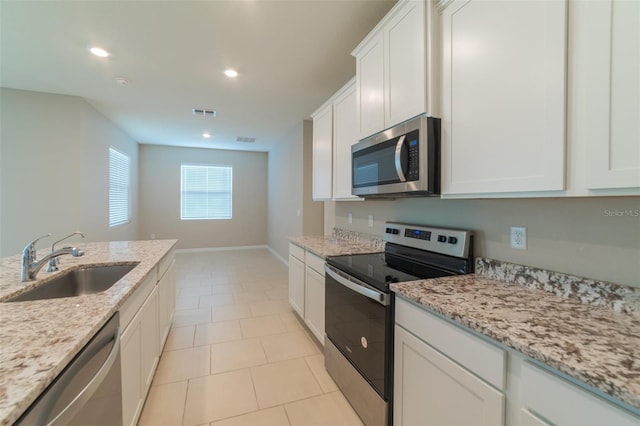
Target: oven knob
x=389, y=231
x=442, y=238
x=453, y=240
x=395, y=231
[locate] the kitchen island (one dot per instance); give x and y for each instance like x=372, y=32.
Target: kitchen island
x=39, y=338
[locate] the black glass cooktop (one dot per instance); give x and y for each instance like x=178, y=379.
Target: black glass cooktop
x=376, y=270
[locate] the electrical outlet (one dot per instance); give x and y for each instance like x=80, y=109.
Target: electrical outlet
x=519, y=237
x=350, y=218
x=370, y=221
x=153, y=236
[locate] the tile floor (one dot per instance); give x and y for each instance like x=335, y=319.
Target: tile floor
x=237, y=354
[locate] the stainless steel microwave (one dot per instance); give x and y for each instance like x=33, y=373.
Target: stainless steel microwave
x=401, y=161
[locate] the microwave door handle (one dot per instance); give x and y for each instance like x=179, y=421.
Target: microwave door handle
x=398, y=159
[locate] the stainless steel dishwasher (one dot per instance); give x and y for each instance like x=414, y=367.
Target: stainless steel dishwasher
x=88, y=391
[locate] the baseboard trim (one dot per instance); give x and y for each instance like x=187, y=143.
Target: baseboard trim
x=275, y=253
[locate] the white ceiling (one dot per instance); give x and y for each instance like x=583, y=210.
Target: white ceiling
x=291, y=56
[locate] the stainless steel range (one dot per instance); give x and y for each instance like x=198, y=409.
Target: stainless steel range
x=359, y=308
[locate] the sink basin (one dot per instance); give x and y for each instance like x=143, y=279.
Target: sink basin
x=88, y=280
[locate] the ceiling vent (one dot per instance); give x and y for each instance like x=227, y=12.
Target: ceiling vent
x=245, y=139
x=204, y=112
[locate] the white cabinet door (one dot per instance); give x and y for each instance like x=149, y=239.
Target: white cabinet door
x=150, y=339
x=314, y=303
x=322, y=153
x=503, y=100
x=430, y=389
x=611, y=92
x=370, y=86
x=296, y=285
x=166, y=303
x=345, y=134
x=131, y=360
x=541, y=391
x=405, y=64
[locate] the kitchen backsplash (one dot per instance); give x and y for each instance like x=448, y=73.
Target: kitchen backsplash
x=357, y=237
x=598, y=293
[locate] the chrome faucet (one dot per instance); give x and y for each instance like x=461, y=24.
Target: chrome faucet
x=31, y=266
x=55, y=261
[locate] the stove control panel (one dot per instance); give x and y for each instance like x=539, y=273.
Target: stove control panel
x=452, y=242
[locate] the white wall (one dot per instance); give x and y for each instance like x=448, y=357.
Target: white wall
x=160, y=198
x=54, y=156
x=290, y=190
x=591, y=237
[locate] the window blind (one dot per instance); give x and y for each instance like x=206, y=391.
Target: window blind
x=205, y=192
x=118, y=188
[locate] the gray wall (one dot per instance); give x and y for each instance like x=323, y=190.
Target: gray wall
x=54, y=174
x=160, y=198
x=591, y=237
x=291, y=208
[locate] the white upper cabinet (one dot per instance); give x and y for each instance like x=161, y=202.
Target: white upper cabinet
x=394, y=81
x=322, y=153
x=334, y=131
x=345, y=134
x=504, y=96
x=611, y=92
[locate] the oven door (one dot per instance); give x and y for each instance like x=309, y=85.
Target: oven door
x=359, y=322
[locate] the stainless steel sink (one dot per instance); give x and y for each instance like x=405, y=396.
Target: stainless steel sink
x=87, y=280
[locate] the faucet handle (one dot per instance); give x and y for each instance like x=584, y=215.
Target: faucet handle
x=53, y=247
x=31, y=247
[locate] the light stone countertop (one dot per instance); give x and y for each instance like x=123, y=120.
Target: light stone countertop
x=39, y=338
x=594, y=339
x=336, y=246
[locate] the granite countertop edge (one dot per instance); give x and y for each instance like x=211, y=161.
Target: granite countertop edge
x=548, y=328
x=39, y=338
x=325, y=246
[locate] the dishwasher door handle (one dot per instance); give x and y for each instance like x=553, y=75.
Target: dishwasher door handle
x=357, y=286
x=87, y=392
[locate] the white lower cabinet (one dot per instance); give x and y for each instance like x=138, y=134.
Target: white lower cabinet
x=306, y=288
x=430, y=387
x=145, y=318
x=314, y=302
x=296, y=279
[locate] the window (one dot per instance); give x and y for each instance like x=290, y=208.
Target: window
x=205, y=192
x=118, y=188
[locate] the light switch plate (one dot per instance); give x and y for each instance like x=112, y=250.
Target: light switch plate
x=370, y=221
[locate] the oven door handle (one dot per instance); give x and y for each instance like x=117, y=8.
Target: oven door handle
x=357, y=286
x=398, y=158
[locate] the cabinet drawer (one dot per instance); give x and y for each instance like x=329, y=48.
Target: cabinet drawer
x=135, y=301
x=542, y=390
x=314, y=262
x=296, y=251
x=484, y=359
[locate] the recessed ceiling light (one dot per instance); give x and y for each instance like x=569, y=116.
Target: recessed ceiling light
x=206, y=135
x=231, y=73
x=99, y=52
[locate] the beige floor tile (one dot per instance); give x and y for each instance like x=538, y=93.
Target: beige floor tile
x=250, y=296
x=236, y=355
x=280, y=292
x=276, y=416
x=191, y=316
x=270, y=307
x=217, y=332
x=290, y=345
x=220, y=299
x=230, y=312
x=262, y=326
x=283, y=382
x=204, y=290
x=219, y=396
x=183, y=364
x=189, y=302
x=329, y=409
x=164, y=405
x=292, y=321
x=316, y=364
x=180, y=338
x=225, y=288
